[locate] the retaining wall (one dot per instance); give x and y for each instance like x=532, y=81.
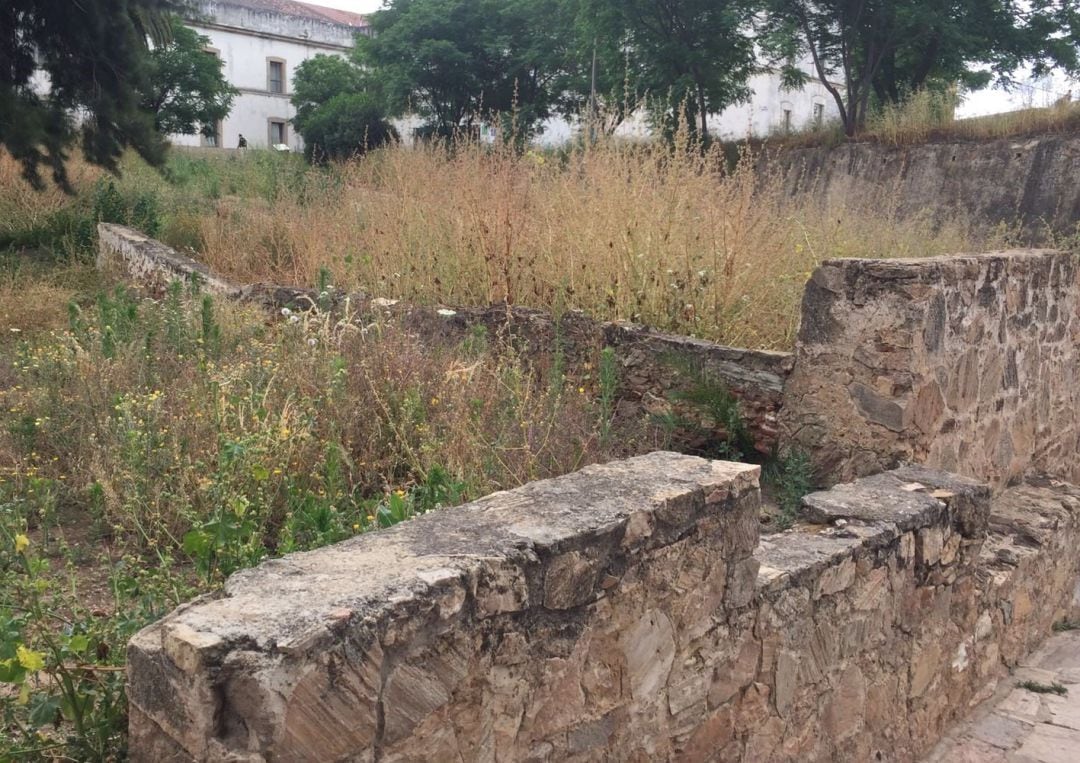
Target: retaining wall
x=625, y=612
x=966, y=363
x=1030, y=181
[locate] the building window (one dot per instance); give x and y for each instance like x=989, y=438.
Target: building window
x=275, y=75
x=787, y=120
x=277, y=132
x=819, y=114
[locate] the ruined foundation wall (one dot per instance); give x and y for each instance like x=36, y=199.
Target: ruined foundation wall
x=965, y=363
x=654, y=368
x=626, y=612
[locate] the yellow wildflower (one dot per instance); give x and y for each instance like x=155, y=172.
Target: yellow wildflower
x=21, y=543
x=29, y=659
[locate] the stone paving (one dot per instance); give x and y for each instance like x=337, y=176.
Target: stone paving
x=1018, y=725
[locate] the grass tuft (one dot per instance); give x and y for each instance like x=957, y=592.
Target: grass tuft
x=1041, y=688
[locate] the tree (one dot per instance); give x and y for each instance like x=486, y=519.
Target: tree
x=187, y=91
x=338, y=110
x=345, y=126
x=458, y=61
x=688, y=56
x=92, y=55
x=891, y=48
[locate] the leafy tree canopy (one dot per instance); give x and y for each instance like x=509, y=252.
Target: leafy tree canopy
x=338, y=111
x=887, y=49
x=187, y=90
x=59, y=59
x=319, y=79
x=347, y=125
x=457, y=61
x=688, y=56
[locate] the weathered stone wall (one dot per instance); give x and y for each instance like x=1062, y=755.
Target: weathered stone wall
x=620, y=613
x=1031, y=181
x=538, y=622
x=152, y=264
x=970, y=364
x=653, y=367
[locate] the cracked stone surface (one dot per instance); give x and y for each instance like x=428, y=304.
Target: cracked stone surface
x=1018, y=725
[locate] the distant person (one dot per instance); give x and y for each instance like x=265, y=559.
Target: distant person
x=242, y=143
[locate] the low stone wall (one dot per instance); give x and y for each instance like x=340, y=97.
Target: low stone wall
x=151, y=264
x=653, y=367
x=965, y=363
x=625, y=612
x=537, y=622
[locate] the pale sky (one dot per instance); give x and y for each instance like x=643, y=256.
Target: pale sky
x=988, y=101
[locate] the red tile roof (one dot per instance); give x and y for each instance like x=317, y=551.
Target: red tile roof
x=304, y=11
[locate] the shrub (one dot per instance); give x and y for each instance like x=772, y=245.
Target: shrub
x=347, y=125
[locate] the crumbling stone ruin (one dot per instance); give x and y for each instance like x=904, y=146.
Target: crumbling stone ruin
x=632, y=611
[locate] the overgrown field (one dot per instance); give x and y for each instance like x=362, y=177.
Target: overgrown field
x=675, y=239
x=149, y=447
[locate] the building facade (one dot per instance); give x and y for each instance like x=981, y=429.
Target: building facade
x=261, y=42
x=770, y=110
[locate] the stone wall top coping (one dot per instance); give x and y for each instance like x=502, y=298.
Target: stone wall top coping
x=908, y=497
x=734, y=354
x=168, y=259
x=840, y=275
x=300, y=600
x=868, y=513
x=945, y=259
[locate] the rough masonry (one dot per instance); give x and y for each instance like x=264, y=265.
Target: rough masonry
x=969, y=363
x=630, y=611
x=625, y=612
x=1025, y=180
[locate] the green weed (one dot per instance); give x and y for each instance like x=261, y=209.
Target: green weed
x=1041, y=688
x=789, y=478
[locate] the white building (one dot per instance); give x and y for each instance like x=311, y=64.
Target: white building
x=771, y=110
x=261, y=42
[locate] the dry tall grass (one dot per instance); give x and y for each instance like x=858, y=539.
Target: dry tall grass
x=22, y=208
x=671, y=239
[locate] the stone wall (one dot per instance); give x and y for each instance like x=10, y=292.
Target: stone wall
x=1031, y=181
x=653, y=367
x=965, y=363
x=626, y=612
x=151, y=264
